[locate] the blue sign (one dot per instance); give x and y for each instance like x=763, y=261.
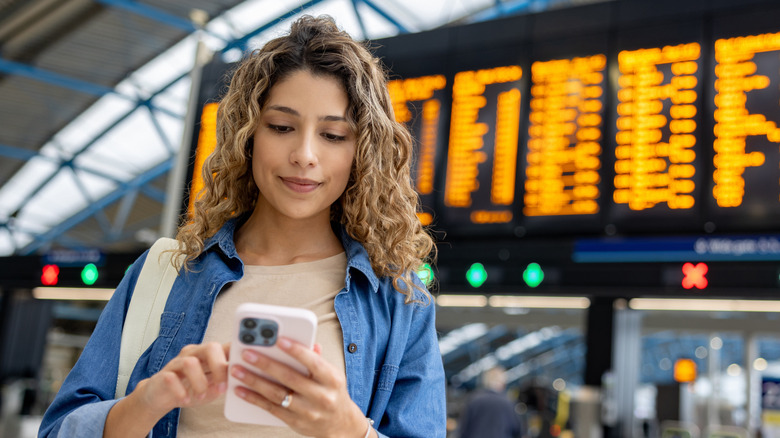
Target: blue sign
x=74, y=257
x=678, y=249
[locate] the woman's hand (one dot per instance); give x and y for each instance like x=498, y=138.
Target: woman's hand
x=319, y=403
x=197, y=375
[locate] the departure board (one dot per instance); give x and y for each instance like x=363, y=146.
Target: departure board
x=638, y=120
x=418, y=103
x=745, y=185
x=482, y=151
x=564, y=137
x=657, y=95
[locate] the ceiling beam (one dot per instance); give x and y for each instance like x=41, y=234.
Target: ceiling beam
x=371, y=4
x=17, y=153
x=151, y=13
x=42, y=239
x=241, y=43
x=157, y=15
x=97, y=137
x=359, y=19
x=59, y=80
x=22, y=154
x=39, y=74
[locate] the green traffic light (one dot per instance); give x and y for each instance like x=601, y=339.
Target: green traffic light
x=533, y=275
x=89, y=274
x=426, y=274
x=476, y=275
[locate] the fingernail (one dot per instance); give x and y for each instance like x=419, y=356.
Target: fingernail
x=250, y=356
x=284, y=343
x=239, y=373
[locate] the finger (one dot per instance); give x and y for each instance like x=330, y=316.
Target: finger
x=278, y=371
x=192, y=370
x=271, y=391
x=170, y=386
x=201, y=351
x=319, y=369
x=216, y=362
x=189, y=354
x=275, y=409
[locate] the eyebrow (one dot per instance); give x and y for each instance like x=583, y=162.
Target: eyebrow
x=288, y=110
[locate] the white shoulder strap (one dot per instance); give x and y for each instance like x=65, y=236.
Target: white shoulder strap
x=142, y=323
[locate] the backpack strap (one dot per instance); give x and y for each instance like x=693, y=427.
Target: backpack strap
x=142, y=323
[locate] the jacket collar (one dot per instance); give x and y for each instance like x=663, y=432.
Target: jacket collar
x=223, y=238
x=357, y=257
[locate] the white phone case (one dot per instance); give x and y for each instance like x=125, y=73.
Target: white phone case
x=293, y=323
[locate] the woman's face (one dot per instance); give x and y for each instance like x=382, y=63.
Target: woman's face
x=303, y=147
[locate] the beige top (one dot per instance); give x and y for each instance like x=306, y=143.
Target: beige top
x=311, y=285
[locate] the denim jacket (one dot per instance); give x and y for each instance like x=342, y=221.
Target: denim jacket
x=394, y=368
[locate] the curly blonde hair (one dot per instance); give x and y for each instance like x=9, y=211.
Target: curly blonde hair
x=378, y=207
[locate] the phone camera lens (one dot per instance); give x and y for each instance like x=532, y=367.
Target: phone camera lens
x=248, y=338
x=267, y=332
x=250, y=323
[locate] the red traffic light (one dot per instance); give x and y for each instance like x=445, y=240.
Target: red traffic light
x=50, y=275
x=694, y=275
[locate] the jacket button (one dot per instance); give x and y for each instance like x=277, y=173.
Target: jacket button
x=352, y=347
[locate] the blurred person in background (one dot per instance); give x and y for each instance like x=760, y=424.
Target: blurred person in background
x=488, y=412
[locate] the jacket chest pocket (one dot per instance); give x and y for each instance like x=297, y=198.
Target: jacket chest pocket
x=170, y=322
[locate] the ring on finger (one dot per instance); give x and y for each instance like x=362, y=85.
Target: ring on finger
x=287, y=400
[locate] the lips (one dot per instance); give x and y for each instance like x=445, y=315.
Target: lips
x=300, y=185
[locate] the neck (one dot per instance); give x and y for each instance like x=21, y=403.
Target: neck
x=268, y=241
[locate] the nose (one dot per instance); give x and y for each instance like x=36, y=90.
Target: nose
x=304, y=153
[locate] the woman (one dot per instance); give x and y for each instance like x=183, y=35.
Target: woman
x=308, y=203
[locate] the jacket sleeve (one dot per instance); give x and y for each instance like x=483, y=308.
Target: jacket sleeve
x=417, y=407
x=87, y=394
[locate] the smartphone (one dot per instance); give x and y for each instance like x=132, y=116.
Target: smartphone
x=258, y=327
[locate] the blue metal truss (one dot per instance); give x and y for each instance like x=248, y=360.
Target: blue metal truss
x=127, y=191
x=155, y=14
x=19, y=69
x=242, y=42
x=40, y=240
x=151, y=13
x=59, y=80
x=133, y=185
x=70, y=162
x=504, y=8
x=371, y=4
x=359, y=18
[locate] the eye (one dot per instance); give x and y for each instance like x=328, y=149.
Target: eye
x=333, y=137
x=280, y=129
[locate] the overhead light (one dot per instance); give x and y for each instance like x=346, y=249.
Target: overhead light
x=704, y=305
x=72, y=293
x=504, y=301
x=539, y=302
x=461, y=300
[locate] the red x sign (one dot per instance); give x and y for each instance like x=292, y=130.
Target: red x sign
x=694, y=275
